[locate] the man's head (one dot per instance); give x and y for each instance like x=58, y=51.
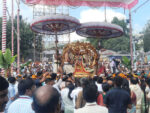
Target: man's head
x=26, y=87
x=118, y=81
x=3, y=93
x=105, y=87
x=100, y=80
x=134, y=80
x=50, y=81
x=39, y=74
x=84, y=81
x=46, y=100
x=12, y=80
x=90, y=93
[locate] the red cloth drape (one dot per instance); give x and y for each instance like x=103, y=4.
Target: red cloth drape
x=90, y=3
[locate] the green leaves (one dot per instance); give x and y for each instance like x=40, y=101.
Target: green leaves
x=1, y=57
x=126, y=61
x=7, y=56
x=13, y=59
x=6, y=59
x=25, y=64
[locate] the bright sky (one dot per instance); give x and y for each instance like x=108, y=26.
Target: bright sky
x=85, y=14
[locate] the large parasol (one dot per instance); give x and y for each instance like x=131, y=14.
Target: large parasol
x=99, y=30
x=128, y=4
x=55, y=24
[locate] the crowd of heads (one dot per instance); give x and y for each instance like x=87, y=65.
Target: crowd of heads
x=46, y=98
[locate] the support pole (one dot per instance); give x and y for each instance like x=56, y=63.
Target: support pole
x=12, y=35
x=57, y=55
x=4, y=22
x=131, y=46
x=18, y=38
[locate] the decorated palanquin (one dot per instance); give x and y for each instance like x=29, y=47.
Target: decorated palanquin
x=83, y=56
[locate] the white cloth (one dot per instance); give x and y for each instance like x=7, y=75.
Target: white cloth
x=68, y=68
x=57, y=85
x=11, y=93
x=92, y=108
x=14, y=74
x=99, y=86
x=55, y=66
x=139, y=94
x=74, y=94
x=68, y=104
x=16, y=87
x=21, y=105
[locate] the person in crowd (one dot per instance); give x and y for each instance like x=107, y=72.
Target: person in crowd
x=46, y=100
x=99, y=84
x=90, y=95
x=12, y=94
x=134, y=86
x=50, y=81
x=57, y=82
x=102, y=69
x=117, y=99
x=76, y=91
x=148, y=95
x=101, y=96
x=66, y=98
x=113, y=66
x=110, y=82
x=125, y=86
x=3, y=93
x=80, y=101
x=23, y=103
x=144, y=103
x=40, y=78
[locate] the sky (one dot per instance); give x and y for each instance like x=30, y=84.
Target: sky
x=86, y=14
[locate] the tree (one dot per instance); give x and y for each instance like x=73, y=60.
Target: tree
x=26, y=38
x=146, y=38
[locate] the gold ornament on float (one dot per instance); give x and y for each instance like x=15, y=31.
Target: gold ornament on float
x=83, y=55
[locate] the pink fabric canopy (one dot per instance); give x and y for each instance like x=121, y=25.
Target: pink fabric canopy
x=127, y=4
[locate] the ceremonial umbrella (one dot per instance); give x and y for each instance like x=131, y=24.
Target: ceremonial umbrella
x=99, y=30
x=55, y=24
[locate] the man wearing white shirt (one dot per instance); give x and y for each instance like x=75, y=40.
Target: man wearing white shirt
x=11, y=92
x=75, y=92
x=89, y=94
x=99, y=84
x=23, y=103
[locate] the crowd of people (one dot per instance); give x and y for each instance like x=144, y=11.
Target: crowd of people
x=39, y=90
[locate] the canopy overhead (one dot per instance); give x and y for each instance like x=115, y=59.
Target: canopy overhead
x=127, y=4
x=99, y=30
x=50, y=25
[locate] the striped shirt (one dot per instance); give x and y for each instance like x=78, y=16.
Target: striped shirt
x=21, y=105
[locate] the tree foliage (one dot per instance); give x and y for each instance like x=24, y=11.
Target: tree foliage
x=6, y=60
x=146, y=39
x=26, y=38
x=127, y=62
